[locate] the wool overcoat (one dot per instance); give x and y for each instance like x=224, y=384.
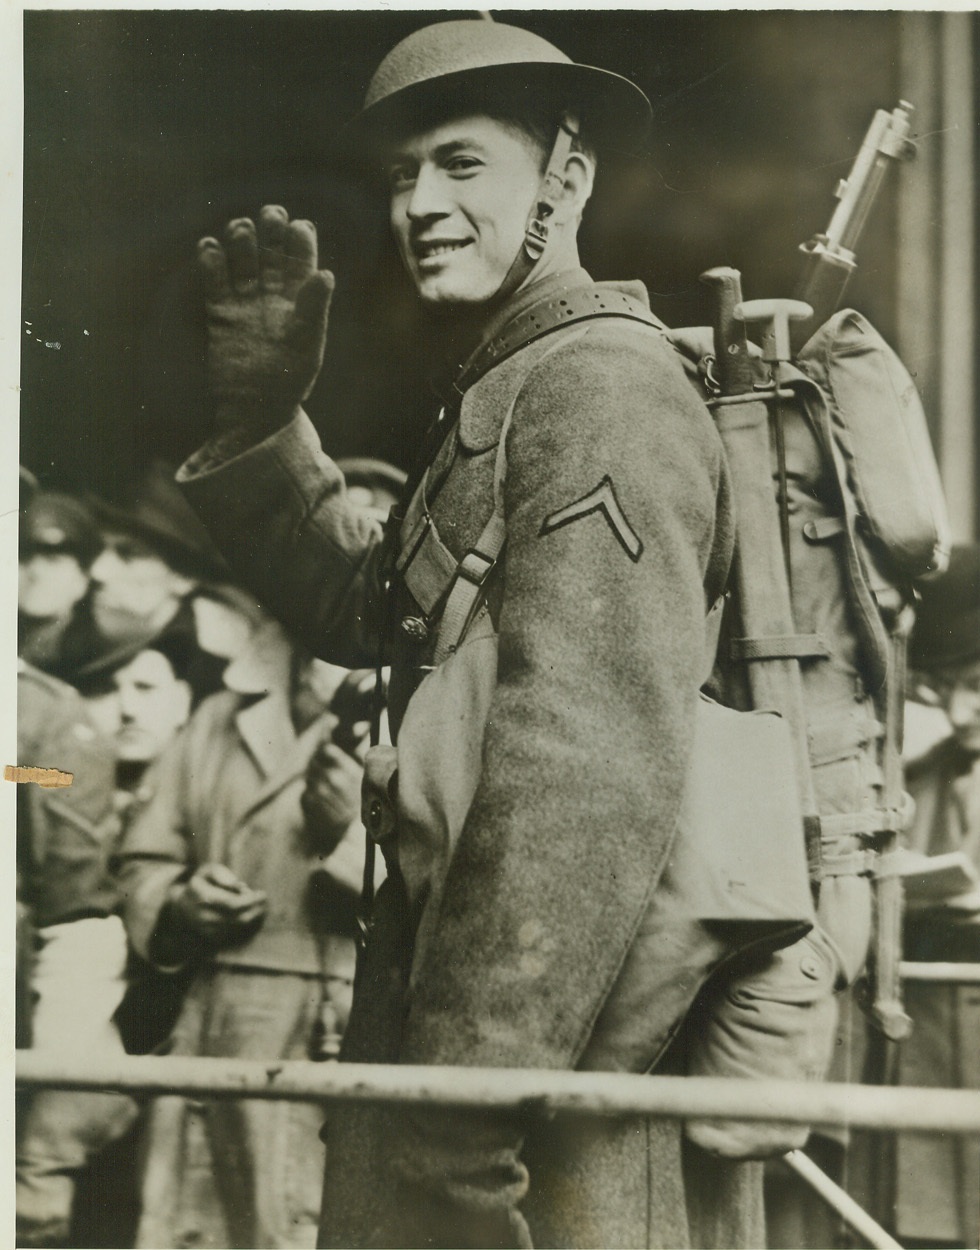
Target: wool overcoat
x=619, y=537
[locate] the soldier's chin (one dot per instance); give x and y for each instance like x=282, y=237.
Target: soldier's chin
x=444, y=293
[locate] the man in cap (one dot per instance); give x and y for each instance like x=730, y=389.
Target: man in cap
x=545, y=593
x=138, y=696
x=59, y=540
x=239, y=874
x=155, y=558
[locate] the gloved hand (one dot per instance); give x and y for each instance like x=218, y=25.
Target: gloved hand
x=214, y=909
x=267, y=306
x=332, y=798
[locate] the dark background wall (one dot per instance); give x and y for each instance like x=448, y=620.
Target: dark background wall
x=146, y=130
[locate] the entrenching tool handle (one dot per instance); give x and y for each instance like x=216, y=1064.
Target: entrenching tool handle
x=774, y=316
x=733, y=367
x=761, y=590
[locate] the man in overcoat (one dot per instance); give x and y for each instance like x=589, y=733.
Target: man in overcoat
x=240, y=871
x=542, y=601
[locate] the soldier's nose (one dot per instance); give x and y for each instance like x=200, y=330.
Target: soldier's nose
x=428, y=199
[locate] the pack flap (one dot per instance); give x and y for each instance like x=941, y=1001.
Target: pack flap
x=880, y=427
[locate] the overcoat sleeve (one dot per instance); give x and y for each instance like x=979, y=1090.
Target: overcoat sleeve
x=614, y=481
x=278, y=512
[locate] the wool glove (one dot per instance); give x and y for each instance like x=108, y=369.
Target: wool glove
x=266, y=309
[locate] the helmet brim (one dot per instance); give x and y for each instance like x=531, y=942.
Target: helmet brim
x=615, y=113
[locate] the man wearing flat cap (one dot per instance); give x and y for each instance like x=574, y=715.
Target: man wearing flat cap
x=542, y=600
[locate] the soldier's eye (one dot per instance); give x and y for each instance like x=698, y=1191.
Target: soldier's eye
x=463, y=165
x=400, y=176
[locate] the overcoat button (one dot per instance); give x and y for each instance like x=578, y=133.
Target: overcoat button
x=416, y=628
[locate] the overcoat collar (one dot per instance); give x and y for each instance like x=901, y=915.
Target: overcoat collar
x=262, y=675
x=480, y=422
x=281, y=754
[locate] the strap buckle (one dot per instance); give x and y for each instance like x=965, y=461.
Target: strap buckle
x=475, y=567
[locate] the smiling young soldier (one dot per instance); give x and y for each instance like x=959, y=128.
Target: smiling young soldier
x=546, y=593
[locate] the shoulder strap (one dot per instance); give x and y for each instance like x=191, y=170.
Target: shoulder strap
x=567, y=306
x=474, y=568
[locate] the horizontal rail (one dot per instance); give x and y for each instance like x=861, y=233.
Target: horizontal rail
x=953, y=973
x=587, y=1093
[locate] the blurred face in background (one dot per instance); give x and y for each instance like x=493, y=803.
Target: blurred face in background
x=141, y=707
x=959, y=691
x=131, y=581
x=50, y=583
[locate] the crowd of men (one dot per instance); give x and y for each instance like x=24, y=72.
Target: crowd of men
x=194, y=889
x=585, y=857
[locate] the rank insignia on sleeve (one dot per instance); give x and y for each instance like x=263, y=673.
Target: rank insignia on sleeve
x=601, y=498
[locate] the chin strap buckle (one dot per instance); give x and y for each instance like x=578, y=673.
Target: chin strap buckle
x=552, y=185
x=535, y=237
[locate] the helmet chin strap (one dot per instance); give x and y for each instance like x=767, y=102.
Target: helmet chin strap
x=537, y=230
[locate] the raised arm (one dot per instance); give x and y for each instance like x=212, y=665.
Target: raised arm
x=274, y=503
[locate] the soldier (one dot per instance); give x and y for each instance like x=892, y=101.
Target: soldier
x=546, y=595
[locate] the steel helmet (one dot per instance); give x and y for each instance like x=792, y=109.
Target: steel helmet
x=450, y=63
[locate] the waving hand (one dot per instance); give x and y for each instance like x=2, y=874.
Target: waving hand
x=267, y=306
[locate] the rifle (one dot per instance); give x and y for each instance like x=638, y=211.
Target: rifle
x=829, y=258
x=745, y=412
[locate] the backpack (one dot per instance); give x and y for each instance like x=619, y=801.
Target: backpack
x=845, y=373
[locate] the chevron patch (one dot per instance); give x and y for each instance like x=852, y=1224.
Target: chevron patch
x=601, y=498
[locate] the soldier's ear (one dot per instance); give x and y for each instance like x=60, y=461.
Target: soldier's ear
x=579, y=177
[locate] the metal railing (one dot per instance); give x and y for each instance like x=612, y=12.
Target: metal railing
x=517, y=1089
x=546, y=1092
x=537, y=1092
x=950, y=973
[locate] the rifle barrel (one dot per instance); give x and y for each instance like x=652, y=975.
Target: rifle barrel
x=829, y=258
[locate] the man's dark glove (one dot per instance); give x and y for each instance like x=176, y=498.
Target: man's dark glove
x=267, y=306
x=331, y=801
x=212, y=910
